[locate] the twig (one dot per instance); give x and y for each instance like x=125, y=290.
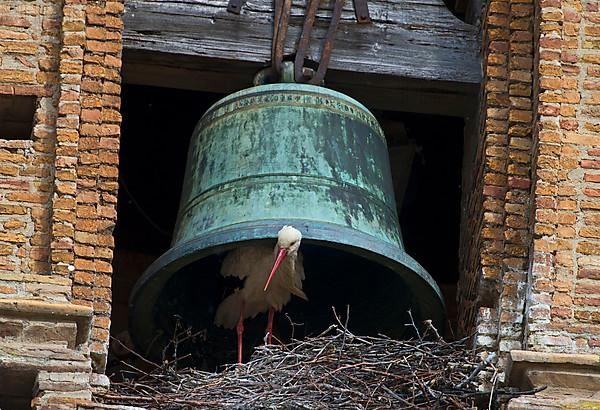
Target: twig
x=431, y=327
x=133, y=352
x=478, y=369
x=412, y=323
x=292, y=324
x=345, y=327
x=494, y=380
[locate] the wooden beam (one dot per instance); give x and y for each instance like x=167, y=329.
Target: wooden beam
x=376, y=91
x=411, y=39
x=415, y=56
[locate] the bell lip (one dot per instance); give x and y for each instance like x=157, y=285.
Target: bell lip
x=149, y=285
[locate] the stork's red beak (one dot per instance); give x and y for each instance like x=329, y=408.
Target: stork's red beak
x=280, y=257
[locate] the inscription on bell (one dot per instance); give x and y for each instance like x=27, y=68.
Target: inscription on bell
x=292, y=99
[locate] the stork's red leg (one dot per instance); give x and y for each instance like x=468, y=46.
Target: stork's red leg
x=270, y=325
x=240, y=332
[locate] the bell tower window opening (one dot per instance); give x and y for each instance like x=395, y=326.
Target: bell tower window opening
x=16, y=116
x=157, y=127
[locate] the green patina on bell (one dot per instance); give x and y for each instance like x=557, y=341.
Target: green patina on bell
x=283, y=154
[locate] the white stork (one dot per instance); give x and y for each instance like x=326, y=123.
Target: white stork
x=262, y=290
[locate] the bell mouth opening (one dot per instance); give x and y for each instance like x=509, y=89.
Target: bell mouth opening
x=378, y=292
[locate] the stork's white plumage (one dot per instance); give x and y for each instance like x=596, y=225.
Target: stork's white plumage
x=270, y=277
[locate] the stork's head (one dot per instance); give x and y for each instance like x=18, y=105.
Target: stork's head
x=288, y=242
x=289, y=238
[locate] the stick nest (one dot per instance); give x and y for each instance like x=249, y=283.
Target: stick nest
x=336, y=369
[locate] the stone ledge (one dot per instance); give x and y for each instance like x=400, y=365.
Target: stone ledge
x=556, y=399
x=555, y=358
x=52, y=312
x=527, y=369
x=49, y=357
x=572, y=380
x=45, y=371
x=100, y=406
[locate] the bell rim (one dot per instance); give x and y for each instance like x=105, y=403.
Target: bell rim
x=227, y=237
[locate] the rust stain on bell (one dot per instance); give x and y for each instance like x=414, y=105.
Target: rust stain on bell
x=290, y=154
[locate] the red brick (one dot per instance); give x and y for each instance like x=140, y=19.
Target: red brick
x=588, y=273
x=588, y=163
x=593, y=192
x=591, y=177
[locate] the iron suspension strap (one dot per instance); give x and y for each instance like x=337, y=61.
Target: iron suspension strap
x=282, y=11
x=280, y=27
x=361, y=11
x=301, y=53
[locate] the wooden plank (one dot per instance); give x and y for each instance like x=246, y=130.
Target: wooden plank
x=410, y=39
x=376, y=91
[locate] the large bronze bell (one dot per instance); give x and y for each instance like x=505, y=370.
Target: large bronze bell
x=282, y=154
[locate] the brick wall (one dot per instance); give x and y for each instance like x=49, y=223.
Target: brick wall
x=517, y=206
x=58, y=188
x=495, y=236
x=564, y=294
x=86, y=161
x=530, y=252
x=29, y=42
x=478, y=275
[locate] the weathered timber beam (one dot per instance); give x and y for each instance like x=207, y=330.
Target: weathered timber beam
x=412, y=39
x=376, y=91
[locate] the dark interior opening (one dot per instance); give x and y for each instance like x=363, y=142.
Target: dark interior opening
x=16, y=389
x=157, y=126
x=379, y=300
x=16, y=116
